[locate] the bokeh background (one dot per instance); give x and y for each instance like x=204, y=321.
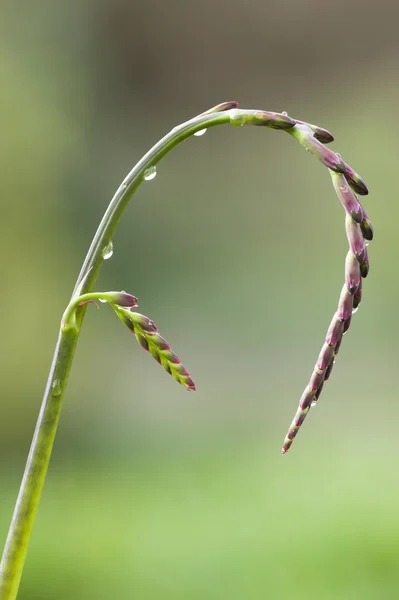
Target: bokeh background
x=236, y=250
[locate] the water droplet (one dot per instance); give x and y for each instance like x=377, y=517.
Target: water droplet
x=313, y=403
x=56, y=387
x=108, y=251
x=200, y=132
x=237, y=118
x=150, y=173
x=103, y=301
x=285, y=113
x=355, y=311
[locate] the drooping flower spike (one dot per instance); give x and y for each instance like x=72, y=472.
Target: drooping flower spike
x=358, y=229
x=347, y=183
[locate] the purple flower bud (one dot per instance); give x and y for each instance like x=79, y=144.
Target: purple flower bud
x=352, y=272
x=330, y=159
x=306, y=398
x=221, y=107
x=272, y=119
x=161, y=343
x=345, y=304
x=325, y=357
x=367, y=229
x=355, y=238
x=355, y=181
x=323, y=135
x=335, y=330
x=346, y=196
x=299, y=419
x=316, y=380
x=121, y=299
x=189, y=384
x=171, y=356
x=144, y=322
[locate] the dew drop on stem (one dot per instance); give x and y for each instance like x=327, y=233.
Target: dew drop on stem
x=200, y=132
x=108, y=251
x=56, y=387
x=150, y=173
x=237, y=118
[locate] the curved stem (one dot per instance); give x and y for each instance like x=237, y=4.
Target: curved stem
x=39, y=456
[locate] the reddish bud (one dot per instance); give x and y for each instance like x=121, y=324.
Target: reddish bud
x=347, y=198
x=355, y=238
x=335, y=330
x=272, y=120
x=367, y=229
x=323, y=135
x=325, y=357
x=345, y=304
x=221, y=107
x=306, y=398
x=352, y=272
x=355, y=181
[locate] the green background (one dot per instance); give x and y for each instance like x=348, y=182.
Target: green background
x=236, y=250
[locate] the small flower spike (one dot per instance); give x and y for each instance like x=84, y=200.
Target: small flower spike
x=148, y=337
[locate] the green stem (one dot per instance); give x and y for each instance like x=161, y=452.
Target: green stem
x=19, y=534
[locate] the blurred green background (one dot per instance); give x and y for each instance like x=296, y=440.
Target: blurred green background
x=236, y=250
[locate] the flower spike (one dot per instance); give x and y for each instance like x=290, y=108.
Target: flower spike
x=358, y=229
x=148, y=337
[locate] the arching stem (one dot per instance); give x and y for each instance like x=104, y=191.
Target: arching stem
x=19, y=534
